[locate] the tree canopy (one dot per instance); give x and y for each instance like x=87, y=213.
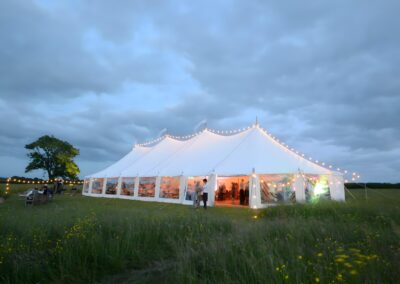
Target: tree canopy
x=53, y=156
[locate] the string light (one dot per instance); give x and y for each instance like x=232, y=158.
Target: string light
x=29, y=181
x=239, y=130
x=319, y=163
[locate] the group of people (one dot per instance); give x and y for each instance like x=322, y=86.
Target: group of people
x=57, y=187
x=200, y=193
x=238, y=191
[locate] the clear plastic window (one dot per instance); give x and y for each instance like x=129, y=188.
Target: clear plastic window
x=169, y=187
x=147, y=186
x=277, y=189
x=97, y=185
x=128, y=186
x=86, y=184
x=111, y=186
x=317, y=188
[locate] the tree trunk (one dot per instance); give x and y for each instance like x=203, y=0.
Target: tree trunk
x=49, y=174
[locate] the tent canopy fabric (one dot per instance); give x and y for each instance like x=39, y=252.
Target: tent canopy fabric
x=208, y=152
x=115, y=169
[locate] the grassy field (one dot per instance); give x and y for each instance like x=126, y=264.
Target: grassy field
x=76, y=239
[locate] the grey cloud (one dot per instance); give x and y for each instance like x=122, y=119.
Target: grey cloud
x=44, y=55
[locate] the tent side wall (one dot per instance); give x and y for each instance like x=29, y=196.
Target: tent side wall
x=335, y=181
x=337, y=187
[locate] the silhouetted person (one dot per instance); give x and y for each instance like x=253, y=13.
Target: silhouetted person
x=242, y=193
x=45, y=189
x=205, y=193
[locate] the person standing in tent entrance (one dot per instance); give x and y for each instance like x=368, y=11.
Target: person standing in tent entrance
x=205, y=193
x=241, y=192
x=246, y=194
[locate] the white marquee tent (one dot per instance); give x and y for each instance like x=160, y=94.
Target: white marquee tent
x=167, y=170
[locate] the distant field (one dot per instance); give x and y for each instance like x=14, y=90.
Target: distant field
x=91, y=240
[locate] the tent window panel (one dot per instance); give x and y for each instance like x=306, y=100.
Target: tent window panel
x=147, y=186
x=97, y=185
x=277, y=189
x=169, y=187
x=86, y=184
x=317, y=188
x=111, y=186
x=193, y=183
x=128, y=186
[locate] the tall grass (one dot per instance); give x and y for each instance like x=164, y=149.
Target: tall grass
x=76, y=239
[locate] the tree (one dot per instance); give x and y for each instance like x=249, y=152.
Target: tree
x=53, y=156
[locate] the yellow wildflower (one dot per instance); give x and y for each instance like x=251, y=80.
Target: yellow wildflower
x=348, y=265
x=359, y=262
x=342, y=256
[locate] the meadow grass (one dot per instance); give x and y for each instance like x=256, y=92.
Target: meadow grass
x=76, y=239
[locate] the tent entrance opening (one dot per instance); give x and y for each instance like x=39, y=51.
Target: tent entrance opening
x=232, y=191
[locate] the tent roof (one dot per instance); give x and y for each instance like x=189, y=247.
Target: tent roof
x=209, y=152
x=115, y=169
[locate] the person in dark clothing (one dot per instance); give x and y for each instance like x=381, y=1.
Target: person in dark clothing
x=59, y=186
x=45, y=189
x=205, y=193
x=246, y=195
x=242, y=193
x=241, y=196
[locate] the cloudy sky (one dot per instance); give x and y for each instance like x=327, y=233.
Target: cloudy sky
x=323, y=76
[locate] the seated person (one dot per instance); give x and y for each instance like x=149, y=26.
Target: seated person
x=32, y=193
x=45, y=189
